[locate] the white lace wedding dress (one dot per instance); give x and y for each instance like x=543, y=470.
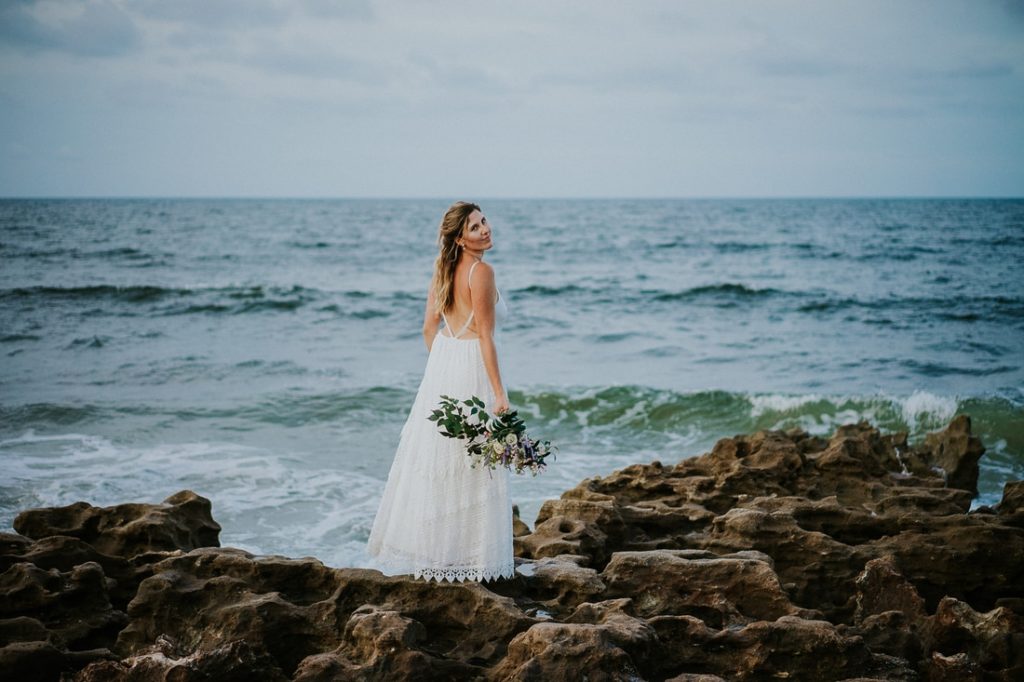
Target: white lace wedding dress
x=438, y=517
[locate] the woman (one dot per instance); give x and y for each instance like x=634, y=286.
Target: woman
x=439, y=518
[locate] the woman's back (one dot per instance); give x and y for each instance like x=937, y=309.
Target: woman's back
x=460, y=318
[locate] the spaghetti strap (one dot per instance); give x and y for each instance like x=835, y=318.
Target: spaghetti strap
x=465, y=326
x=469, y=320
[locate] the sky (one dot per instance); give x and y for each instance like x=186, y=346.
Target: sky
x=533, y=98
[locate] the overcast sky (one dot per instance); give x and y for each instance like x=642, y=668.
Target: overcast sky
x=488, y=98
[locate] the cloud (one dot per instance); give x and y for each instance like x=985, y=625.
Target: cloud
x=304, y=62
x=360, y=10
x=634, y=97
x=233, y=15
x=98, y=28
x=970, y=71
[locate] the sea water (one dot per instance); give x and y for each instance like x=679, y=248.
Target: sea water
x=265, y=353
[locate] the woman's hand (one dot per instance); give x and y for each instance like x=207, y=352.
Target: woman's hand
x=501, y=405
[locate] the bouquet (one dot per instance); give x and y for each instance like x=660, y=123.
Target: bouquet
x=492, y=441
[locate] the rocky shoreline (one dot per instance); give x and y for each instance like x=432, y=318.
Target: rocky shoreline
x=777, y=555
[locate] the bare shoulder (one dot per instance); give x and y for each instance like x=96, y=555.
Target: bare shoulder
x=482, y=274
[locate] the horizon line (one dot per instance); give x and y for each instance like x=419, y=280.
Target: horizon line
x=370, y=197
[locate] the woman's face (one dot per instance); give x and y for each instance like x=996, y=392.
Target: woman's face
x=476, y=236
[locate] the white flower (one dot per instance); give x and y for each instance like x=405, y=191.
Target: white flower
x=498, y=447
x=511, y=439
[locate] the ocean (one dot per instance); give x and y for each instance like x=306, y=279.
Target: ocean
x=265, y=353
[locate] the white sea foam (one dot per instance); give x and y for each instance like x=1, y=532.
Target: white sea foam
x=759, y=404
x=267, y=503
x=927, y=410
x=917, y=413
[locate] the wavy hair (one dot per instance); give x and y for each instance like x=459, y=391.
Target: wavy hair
x=452, y=225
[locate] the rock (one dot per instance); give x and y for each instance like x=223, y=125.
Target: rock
x=294, y=609
x=1012, y=503
x=790, y=647
x=956, y=668
x=889, y=612
x=776, y=555
x=976, y=558
x=957, y=452
x=559, y=584
x=992, y=642
x=182, y=521
x=518, y=527
x=882, y=588
x=573, y=526
x=40, y=661
x=385, y=644
x=74, y=605
x=63, y=553
x=723, y=591
x=233, y=662
x=565, y=651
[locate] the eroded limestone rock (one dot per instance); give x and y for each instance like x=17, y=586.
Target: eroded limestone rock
x=776, y=555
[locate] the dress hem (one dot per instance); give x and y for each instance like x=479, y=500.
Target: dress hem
x=451, y=574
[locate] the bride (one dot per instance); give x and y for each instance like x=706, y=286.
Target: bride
x=438, y=517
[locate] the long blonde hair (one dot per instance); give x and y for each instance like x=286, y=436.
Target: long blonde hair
x=452, y=225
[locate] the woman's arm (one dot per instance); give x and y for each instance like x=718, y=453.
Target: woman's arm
x=482, y=292
x=431, y=320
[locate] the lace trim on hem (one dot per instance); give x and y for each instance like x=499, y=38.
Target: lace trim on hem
x=449, y=573
x=464, y=574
